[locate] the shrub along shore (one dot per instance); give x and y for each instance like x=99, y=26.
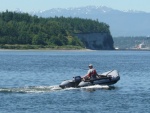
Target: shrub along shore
x=27, y=47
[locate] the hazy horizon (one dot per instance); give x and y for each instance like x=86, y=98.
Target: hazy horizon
x=34, y=5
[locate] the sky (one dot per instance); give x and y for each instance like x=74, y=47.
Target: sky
x=38, y=5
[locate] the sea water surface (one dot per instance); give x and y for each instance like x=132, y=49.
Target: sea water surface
x=29, y=82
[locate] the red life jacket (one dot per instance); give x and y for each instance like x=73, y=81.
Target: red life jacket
x=92, y=73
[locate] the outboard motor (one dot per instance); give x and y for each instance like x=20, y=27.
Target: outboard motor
x=77, y=80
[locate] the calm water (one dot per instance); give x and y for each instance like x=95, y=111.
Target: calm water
x=30, y=79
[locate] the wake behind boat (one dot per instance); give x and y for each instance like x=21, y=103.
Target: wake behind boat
x=106, y=78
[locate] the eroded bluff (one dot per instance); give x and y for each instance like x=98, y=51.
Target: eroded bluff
x=97, y=41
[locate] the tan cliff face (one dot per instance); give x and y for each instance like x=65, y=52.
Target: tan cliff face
x=97, y=41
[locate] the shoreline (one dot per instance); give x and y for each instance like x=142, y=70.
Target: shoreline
x=46, y=50
x=72, y=50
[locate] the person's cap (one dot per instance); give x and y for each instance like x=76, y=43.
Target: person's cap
x=90, y=65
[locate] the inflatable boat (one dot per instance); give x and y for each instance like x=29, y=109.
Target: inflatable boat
x=106, y=78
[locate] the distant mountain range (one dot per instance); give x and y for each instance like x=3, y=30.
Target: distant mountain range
x=122, y=23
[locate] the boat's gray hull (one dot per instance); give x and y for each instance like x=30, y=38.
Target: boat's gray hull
x=99, y=82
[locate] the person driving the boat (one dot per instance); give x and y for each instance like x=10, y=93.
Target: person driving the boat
x=91, y=74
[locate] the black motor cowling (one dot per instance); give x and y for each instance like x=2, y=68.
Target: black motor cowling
x=77, y=79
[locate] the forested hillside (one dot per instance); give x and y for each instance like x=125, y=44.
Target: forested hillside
x=24, y=29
